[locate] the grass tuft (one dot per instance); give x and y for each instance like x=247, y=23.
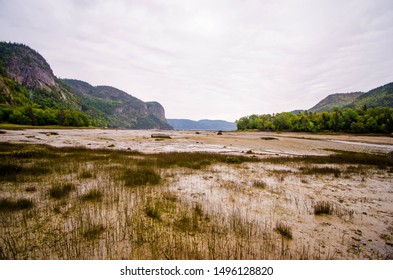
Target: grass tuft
x=86, y=174
x=9, y=169
x=323, y=208
x=31, y=189
x=321, y=171
x=141, y=177
x=259, y=184
x=340, y=157
x=92, y=195
x=284, y=230
x=8, y=205
x=93, y=232
x=153, y=212
x=61, y=190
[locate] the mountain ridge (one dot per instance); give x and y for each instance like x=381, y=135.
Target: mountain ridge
x=29, y=87
x=204, y=124
x=381, y=96
x=111, y=105
x=335, y=100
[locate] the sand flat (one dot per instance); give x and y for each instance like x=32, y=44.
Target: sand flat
x=229, y=142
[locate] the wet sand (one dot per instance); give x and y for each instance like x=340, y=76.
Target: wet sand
x=262, y=143
x=363, y=228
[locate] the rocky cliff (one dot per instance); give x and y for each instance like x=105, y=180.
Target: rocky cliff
x=27, y=83
x=116, y=108
x=27, y=67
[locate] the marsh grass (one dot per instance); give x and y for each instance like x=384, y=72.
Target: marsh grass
x=127, y=207
x=196, y=160
x=92, y=196
x=93, y=231
x=61, y=190
x=321, y=171
x=323, y=208
x=259, y=184
x=31, y=189
x=7, y=205
x=339, y=157
x=191, y=221
x=284, y=230
x=141, y=177
x=153, y=212
x=13, y=172
x=8, y=169
x=86, y=174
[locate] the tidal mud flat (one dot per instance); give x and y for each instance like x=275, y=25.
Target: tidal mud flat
x=120, y=194
x=262, y=143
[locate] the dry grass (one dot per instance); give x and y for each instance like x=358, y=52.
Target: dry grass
x=7, y=205
x=284, y=230
x=323, y=208
x=75, y=203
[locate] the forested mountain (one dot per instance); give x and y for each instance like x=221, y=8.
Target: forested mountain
x=370, y=112
x=109, y=106
x=184, y=124
x=378, y=97
x=339, y=100
x=31, y=94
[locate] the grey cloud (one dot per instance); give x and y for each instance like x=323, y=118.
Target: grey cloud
x=212, y=59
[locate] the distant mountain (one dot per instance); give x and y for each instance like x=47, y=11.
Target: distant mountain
x=378, y=97
x=339, y=100
x=185, y=124
x=31, y=94
x=115, y=108
x=295, y=112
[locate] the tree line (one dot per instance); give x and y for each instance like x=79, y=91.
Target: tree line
x=30, y=115
x=365, y=120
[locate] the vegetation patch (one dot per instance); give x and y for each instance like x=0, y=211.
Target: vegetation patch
x=323, y=208
x=153, y=212
x=321, y=170
x=59, y=191
x=31, y=189
x=141, y=177
x=93, y=232
x=16, y=172
x=8, y=205
x=196, y=160
x=161, y=136
x=284, y=230
x=8, y=169
x=259, y=184
x=269, y=138
x=106, y=221
x=340, y=157
x=361, y=120
x=92, y=195
x=86, y=174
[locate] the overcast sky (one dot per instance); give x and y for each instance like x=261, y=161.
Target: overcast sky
x=212, y=59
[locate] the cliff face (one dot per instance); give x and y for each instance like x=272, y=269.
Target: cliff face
x=154, y=108
x=116, y=108
x=24, y=70
x=27, y=67
x=26, y=79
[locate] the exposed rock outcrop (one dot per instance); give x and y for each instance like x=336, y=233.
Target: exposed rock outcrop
x=26, y=79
